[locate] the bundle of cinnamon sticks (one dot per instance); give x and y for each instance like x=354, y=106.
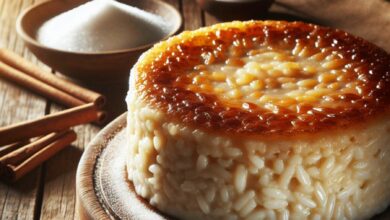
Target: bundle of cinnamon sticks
x=25, y=145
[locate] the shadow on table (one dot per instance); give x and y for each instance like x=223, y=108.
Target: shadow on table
x=63, y=165
x=115, y=93
x=24, y=185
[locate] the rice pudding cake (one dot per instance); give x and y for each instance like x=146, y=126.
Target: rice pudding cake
x=261, y=120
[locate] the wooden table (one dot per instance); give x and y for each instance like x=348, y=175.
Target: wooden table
x=49, y=191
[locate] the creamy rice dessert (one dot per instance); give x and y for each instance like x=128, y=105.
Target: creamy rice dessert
x=261, y=120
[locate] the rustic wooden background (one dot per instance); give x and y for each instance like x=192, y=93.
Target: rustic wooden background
x=49, y=191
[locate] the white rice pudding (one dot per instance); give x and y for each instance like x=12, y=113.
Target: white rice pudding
x=261, y=120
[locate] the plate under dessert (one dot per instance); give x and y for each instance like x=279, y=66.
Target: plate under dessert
x=99, y=196
x=102, y=188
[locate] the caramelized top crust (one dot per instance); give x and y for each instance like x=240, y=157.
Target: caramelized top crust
x=265, y=78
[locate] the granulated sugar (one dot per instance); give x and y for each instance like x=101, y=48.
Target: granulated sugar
x=102, y=25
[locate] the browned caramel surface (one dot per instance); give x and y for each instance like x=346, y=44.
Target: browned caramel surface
x=167, y=78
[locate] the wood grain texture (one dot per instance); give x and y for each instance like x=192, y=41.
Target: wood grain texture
x=209, y=19
x=59, y=195
x=17, y=200
x=192, y=15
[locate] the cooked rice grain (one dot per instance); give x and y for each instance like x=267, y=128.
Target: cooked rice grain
x=198, y=175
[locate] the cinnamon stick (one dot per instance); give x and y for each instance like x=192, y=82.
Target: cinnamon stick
x=12, y=147
x=17, y=62
x=38, y=86
x=16, y=157
x=50, y=123
x=15, y=172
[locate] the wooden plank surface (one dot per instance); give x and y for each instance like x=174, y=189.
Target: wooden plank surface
x=18, y=200
x=59, y=173
x=48, y=192
x=192, y=15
